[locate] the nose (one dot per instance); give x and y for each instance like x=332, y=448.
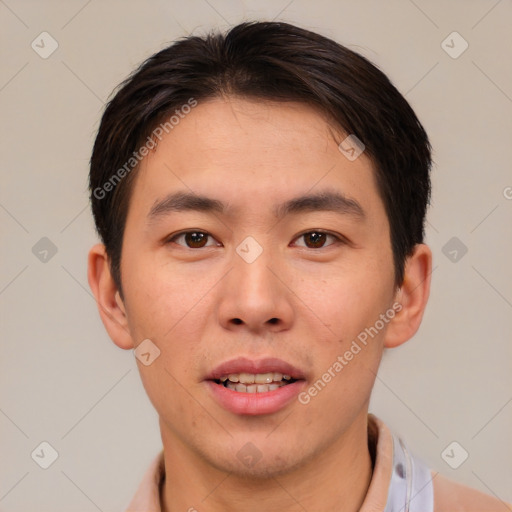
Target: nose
x=254, y=296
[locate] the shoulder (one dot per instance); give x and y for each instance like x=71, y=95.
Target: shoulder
x=450, y=496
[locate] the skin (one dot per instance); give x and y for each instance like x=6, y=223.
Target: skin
x=204, y=306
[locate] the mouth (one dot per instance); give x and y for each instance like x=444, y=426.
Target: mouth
x=248, y=387
x=255, y=383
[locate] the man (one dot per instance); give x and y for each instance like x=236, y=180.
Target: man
x=261, y=198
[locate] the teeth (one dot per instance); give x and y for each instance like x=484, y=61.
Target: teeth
x=264, y=378
x=258, y=378
x=246, y=378
x=253, y=388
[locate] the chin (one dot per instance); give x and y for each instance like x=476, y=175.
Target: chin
x=249, y=462
x=263, y=470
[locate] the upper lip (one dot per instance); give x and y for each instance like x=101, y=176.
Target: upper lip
x=244, y=365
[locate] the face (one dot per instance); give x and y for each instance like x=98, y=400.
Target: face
x=257, y=281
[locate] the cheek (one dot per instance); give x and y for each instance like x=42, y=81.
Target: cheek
x=351, y=305
x=163, y=382
x=348, y=300
x=163, y=298
x=343, y=375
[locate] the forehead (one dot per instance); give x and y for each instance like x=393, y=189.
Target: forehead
x=241, y=149
x=262, y=130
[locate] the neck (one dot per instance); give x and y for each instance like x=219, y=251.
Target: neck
x=334, y=479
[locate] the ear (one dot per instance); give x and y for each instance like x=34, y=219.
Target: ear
x=111, y=308
x=412, y=296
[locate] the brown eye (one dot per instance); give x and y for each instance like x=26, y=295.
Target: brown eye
x=193, y=239
x=196, y=239
x=316, y=239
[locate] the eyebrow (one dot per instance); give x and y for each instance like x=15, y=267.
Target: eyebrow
x=326, y=200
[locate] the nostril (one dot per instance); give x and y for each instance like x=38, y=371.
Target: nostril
x=238, y=321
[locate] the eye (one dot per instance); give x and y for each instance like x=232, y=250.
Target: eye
x=193, y=239
x=316, y=239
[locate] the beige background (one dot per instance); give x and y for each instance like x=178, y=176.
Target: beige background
x=64, y=382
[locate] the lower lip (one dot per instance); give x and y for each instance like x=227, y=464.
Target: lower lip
x=255, y=403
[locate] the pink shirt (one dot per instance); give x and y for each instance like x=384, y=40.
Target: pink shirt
x=448, y=496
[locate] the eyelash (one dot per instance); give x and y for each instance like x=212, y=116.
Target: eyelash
x=338, y=238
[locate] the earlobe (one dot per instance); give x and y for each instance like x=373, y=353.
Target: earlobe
x=110, y=305
x=412, y=296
